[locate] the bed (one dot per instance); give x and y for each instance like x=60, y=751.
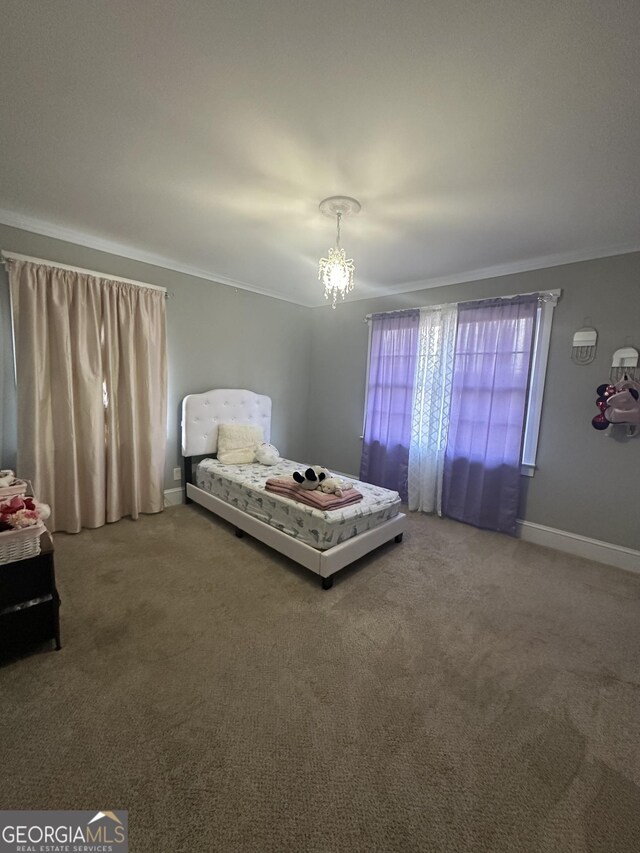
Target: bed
x=322, y=541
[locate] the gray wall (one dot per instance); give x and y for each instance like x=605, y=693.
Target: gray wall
x=312, y=362
x=218, y=337
x=586, y=482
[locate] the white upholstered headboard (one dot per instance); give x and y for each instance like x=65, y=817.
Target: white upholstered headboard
x=203, y=413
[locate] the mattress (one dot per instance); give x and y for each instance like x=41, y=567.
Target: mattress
x=242, y=486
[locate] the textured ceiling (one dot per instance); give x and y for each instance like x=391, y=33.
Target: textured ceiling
x=479, y=136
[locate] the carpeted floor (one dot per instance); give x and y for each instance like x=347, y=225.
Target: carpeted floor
x=459, y=692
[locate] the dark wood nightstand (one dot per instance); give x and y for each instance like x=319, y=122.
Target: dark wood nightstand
x=29, y=601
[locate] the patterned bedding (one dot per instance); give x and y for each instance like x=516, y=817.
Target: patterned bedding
x=242, y=486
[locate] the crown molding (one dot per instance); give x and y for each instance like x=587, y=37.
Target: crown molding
x=542, y=262
x=90, y=241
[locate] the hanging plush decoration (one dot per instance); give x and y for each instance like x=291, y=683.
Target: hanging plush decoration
x=618, y=404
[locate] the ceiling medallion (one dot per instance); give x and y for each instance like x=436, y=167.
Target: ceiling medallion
x=336, y=270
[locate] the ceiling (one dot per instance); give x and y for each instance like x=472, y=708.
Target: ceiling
x=480, y=137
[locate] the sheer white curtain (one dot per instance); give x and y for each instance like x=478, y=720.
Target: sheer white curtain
x=91, y=393
x=431, y=405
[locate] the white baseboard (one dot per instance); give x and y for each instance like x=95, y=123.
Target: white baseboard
x=580, y=546
x=538, y=534
x=173, y=497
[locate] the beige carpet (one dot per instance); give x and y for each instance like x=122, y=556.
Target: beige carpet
x=459, y=692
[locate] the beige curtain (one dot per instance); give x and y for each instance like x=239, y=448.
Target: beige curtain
x=91, y=369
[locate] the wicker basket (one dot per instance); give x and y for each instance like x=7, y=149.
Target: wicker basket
x=20, y=544
x=18, y=487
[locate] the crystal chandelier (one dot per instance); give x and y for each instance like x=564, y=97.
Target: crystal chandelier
x=336, y=271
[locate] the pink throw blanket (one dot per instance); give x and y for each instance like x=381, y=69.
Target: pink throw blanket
x=311, y=497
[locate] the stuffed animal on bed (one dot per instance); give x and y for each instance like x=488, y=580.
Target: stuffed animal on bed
x=6, y=478
x=335, y=486
x=267, y=454
x=312, y=477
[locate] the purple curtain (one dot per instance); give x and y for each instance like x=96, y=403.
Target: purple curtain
x=490, y=385
x=387, y=432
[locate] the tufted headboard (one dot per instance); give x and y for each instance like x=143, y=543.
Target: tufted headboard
x=203, y=413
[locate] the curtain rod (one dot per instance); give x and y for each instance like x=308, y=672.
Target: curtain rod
x=15, y=257
x=545, y=296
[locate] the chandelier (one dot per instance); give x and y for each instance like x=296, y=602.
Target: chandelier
x=336, y=270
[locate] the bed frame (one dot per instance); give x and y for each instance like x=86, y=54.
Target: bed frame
x=201, y=416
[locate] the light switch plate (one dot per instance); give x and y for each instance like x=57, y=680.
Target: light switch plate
x=177, y=474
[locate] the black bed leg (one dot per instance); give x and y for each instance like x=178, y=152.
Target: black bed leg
x=399, y=537
x=188, y=477
x=327, y=583
x=239, y=533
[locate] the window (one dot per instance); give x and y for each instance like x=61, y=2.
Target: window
x=542, y=337
x=387, y=429
x=540, y=354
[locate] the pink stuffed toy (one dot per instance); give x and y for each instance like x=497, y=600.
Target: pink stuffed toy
x=623, y=408
x=618, y=404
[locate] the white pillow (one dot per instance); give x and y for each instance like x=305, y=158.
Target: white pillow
x=237, y=443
